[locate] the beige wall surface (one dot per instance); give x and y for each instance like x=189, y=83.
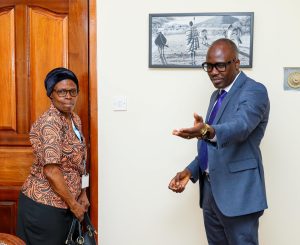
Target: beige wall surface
x=138, y=154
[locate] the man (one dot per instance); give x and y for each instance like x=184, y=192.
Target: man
x=229, y=164
x=192, y=41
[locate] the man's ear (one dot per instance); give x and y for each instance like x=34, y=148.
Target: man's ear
x=237, y=64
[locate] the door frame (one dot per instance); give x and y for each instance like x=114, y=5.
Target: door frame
x=93, y=112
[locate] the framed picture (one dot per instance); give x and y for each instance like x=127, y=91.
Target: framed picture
x=181, y=40
x=291, y=78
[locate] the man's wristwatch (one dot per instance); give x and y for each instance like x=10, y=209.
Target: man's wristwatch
x=205, y=132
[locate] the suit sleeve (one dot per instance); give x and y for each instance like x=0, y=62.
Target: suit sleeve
x=250, y=110
x=194, y=168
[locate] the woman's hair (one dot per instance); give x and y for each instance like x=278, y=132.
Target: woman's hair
x=57, y=75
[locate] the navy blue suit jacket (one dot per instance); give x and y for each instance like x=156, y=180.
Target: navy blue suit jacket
x=235, y=162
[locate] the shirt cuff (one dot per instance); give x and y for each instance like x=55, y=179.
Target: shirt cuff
x=214, y=139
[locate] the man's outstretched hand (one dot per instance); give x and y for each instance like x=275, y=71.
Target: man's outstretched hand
x=193, y=132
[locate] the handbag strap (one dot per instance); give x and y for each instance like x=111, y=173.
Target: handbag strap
x=71, y=231
x=88, y=224
x=80, y=239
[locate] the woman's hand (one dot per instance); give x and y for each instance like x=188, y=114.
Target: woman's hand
x=78, y=210
x=83, y=200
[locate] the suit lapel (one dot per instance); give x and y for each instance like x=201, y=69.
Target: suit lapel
x=235, y=88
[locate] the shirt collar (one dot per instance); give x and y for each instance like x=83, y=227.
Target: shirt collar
x=231, y=84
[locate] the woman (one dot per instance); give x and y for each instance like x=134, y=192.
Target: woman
x=53, y=191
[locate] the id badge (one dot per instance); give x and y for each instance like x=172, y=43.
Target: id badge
x=85, y=181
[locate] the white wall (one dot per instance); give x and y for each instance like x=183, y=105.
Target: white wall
x=137, y=153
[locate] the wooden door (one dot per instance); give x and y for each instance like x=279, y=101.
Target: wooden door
x=35, y=36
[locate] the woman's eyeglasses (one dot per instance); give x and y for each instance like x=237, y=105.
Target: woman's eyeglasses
x=63, y=92
x=220, y=66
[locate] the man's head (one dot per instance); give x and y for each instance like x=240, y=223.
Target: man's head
x=222, y=62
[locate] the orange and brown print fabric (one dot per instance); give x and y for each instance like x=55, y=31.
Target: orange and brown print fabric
x=54, y=142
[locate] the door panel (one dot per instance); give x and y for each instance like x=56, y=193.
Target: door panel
x=15, y=165
x=48, y=47
x=7, y=71
x=35, y=37
x=8, y=209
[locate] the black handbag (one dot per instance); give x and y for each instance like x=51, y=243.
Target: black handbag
x=85, y=237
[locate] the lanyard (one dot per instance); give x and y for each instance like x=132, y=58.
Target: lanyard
x=77, y=133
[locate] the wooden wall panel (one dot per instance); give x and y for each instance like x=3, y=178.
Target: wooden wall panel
x=48, y=49
x=7, y=71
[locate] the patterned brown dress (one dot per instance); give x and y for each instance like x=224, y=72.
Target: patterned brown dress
x=54, y=142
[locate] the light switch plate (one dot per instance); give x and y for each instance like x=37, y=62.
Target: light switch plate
x=119, y=103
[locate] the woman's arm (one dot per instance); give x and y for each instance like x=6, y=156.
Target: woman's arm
x=58, y=184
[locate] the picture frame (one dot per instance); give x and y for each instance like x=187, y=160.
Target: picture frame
x=181, y=40
x=291, y=78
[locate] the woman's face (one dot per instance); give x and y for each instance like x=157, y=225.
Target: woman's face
x=64, y=96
